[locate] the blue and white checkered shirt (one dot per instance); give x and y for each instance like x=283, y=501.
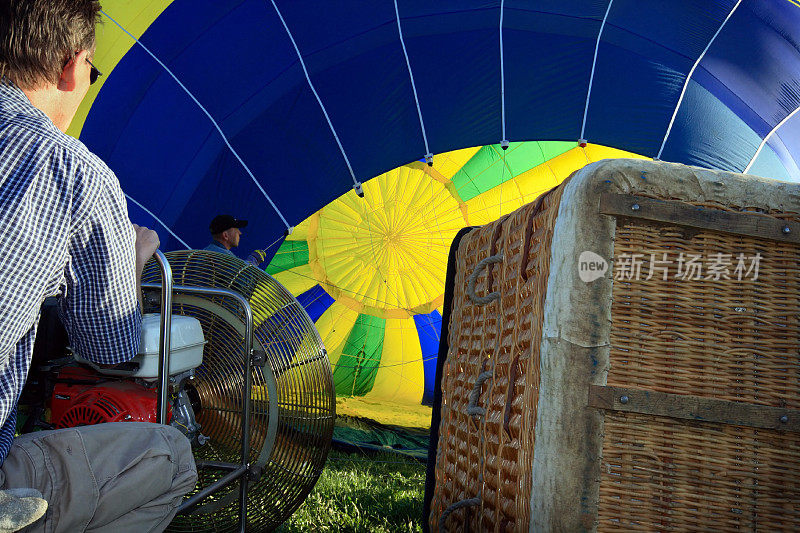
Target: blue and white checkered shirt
x=64, y=231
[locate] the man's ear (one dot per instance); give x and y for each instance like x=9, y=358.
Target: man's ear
x=69, y=74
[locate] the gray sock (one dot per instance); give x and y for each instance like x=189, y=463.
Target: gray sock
x=20, y=508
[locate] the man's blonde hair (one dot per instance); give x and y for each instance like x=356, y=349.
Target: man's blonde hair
x=38, y=37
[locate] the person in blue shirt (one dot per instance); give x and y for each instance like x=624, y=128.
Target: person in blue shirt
x=226, y=231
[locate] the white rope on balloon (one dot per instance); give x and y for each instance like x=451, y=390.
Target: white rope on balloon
x=591, y=76
x=356, y=183
x=214, y=122
x=428, y=154
x=689, y=77
x=766, y=138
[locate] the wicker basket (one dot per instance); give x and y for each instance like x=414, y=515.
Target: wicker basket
x=662, y=394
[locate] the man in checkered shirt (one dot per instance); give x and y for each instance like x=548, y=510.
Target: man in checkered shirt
x=65, y=232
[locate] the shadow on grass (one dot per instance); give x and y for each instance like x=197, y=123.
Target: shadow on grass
x=357, y=493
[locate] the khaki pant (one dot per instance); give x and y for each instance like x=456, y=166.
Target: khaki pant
x=120, y=478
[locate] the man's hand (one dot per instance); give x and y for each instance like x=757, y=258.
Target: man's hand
x=257, y=257
x=146, y=245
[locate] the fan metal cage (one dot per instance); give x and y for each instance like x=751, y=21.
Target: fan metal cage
x=292, y=452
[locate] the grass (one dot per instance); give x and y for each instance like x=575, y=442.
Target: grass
x=358, y=493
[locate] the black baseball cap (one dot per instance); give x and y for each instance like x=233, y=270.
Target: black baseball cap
x=223, y=222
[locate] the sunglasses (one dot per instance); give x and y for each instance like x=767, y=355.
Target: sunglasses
x=94, y=74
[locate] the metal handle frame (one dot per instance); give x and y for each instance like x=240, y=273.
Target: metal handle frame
x=164, y=340
x=238, y=472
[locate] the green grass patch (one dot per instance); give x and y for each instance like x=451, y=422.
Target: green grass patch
x=357, y=493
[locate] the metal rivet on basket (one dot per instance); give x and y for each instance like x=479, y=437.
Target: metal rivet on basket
x=635, y=207
x=784, y=419
x=786, y=229
x=623, y=399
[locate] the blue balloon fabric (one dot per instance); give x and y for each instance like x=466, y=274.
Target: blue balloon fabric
x=269, y=110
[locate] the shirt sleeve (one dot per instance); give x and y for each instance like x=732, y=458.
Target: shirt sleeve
x=99, y=306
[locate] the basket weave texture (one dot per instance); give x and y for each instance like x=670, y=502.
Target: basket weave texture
x=492, y=456
x=725, y=339
x=722, y=339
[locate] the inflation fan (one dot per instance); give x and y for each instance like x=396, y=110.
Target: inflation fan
x=291, y=391
x=244, y=360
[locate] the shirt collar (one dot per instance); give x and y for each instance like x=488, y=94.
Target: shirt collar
x=12, y=98
x=217, y=244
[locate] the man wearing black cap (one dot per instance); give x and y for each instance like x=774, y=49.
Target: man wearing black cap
x=226, y=231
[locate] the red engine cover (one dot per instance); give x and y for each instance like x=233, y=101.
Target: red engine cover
x=82, y=397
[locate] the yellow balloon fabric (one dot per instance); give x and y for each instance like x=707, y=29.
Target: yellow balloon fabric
x=400, y=376
x=113, y=43
x=381, y=259
x=384, y=254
